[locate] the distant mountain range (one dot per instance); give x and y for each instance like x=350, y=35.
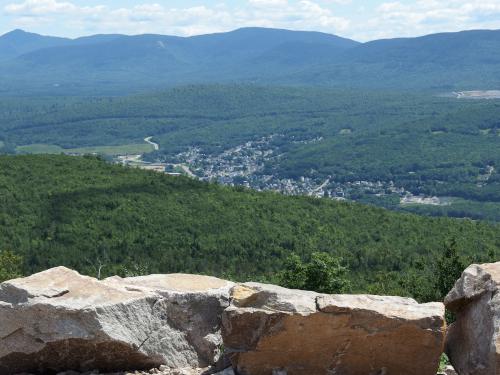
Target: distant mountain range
x=116, y=63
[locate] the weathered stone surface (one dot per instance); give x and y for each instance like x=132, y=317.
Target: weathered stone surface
x=271, y=330
x=473, y=342
x=58, y=320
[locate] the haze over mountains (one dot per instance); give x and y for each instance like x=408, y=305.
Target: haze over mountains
x=31, y=63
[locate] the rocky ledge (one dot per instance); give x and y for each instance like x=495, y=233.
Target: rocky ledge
x=59, y=320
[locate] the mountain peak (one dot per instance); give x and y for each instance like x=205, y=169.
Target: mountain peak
x=20, y=34
x=17, y=42
x=15, y=33
x=18, y=31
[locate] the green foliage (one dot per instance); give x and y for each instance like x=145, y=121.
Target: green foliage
x=10, y=265
x=430, y=280
x=323, y=273
x=86, y=214
x=420, y=282
x=294, y=274
x=449, y=268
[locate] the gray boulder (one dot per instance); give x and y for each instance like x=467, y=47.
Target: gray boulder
x=59, y=320
x=473, y=341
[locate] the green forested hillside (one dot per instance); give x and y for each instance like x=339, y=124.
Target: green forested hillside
x=84, y=213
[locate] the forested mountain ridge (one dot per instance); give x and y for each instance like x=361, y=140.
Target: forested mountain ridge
x=443, y=48
x=444, y=61
x=119, y=63
x=147, y=61
x=83, y=213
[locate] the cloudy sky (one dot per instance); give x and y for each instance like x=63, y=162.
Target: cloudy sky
x=360, y=20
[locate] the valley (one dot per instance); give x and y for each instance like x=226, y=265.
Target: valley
x=404, y=151
x=245, y=165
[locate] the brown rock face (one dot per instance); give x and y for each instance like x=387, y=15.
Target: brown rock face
x=59, y=320
x=473, y=341
x=271, y=330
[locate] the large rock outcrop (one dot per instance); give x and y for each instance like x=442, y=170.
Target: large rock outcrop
x=269, y=330
x=60, y=320
x=473, y=341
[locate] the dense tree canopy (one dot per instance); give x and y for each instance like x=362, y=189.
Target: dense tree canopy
x=89, y=215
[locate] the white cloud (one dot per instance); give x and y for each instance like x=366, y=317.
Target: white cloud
x=340, y=2
x=33, y=8
x=429, y=16
x=269, y=3
x=157, y=18
x=323, y=16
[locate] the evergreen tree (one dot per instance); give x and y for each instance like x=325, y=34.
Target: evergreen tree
x=449, y=268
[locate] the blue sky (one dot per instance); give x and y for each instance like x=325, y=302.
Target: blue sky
x=360, y=20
